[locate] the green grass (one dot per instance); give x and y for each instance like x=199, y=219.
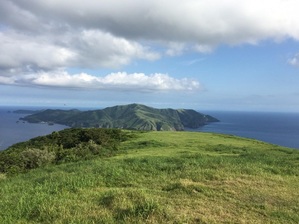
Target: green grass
x=162, y=177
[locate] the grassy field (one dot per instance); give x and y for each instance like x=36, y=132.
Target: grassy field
x=162, y=177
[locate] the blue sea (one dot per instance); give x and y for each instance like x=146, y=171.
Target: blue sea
x=272, y=127
x=13, y=131
x=276, y=128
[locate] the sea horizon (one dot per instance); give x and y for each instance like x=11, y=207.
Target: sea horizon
x=280, y=128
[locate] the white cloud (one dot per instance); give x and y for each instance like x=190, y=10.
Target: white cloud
x=23, y=51
x=193, y=61
x=89, y=49
x=7, y=80
x=54, y=35
x=203, y=48
x=294, y=61
x=120, y=81
x=96, y=48
x=202, y=22
x=175, y=49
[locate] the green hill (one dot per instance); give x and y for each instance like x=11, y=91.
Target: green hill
x=118, y=176
x=133, y=116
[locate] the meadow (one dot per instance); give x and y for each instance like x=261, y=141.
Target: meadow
x=161, y=177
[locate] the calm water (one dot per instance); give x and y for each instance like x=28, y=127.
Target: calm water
x=12, y=132
x=277, y=128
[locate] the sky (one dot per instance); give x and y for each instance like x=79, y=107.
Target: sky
x=193, y=54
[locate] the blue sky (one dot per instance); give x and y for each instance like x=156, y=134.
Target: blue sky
x=204, y=55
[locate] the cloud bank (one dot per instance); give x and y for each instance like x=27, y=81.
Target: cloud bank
x=40, y=38
x=120, y=81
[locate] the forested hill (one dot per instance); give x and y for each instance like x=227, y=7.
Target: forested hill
x=132, y=116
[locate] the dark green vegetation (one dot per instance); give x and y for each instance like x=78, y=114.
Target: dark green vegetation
x=133, y=116
x=59, y=147
x=158, y=177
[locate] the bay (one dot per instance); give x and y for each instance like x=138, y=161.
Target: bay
x=13, y=131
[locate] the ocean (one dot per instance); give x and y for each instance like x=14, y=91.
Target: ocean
x=276, y=128
x=272, y=127
x=13, y=131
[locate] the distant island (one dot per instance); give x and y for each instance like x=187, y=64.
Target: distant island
x=132, y=116
x=26, y=111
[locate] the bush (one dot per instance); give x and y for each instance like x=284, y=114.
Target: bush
x=68, y=145
x=33, y=158
x=2, y=176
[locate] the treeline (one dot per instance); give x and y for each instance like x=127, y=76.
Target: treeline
x=59, y=147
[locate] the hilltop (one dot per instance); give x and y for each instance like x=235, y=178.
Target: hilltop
x=132, y=116
x=94, y=175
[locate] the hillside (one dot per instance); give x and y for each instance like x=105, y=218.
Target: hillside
x=132, y=116
x=152, y=177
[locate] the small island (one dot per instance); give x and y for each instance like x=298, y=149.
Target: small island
x=132, y=117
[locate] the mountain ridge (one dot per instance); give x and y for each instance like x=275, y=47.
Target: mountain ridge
x=131, y=116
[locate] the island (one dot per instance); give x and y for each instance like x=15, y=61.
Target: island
x=132, y=117
x=26, y=111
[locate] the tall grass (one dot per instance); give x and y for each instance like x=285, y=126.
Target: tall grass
x=162, y=177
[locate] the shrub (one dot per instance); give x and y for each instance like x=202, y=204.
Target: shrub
x=68, y=145
x=33, y=158
x=2, y=176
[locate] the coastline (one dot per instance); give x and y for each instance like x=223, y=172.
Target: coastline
x=274, y=128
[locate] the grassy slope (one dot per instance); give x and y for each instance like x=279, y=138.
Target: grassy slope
x=162, y=177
